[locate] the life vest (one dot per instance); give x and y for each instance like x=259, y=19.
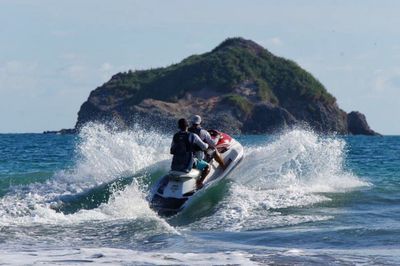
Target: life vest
x=196, y=130
x=182, y=150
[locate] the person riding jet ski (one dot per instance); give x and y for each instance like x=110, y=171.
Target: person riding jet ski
x=182, y=147
x=212, y=152
x=179, y=187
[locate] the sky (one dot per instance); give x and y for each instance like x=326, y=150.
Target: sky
x=54, y=53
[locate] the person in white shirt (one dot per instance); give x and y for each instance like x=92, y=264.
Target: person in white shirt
x=205, y=137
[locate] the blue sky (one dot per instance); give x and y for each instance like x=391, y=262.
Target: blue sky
x=53, y=53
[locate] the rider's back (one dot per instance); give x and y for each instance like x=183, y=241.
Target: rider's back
x=182, y=150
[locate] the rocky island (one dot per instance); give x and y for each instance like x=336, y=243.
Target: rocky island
x=238, y=87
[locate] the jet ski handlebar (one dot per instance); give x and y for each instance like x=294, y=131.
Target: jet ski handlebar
x=224, y=139
x=214, y=133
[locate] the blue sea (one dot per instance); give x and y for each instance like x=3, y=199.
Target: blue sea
x=297, y=198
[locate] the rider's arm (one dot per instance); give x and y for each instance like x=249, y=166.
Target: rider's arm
x=207, y=137
x=171, y=150
x=199, y=142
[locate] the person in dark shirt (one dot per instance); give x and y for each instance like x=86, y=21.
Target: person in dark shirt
x=182, y=148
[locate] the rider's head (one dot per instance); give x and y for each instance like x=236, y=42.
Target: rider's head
x=196, y=120
x=183, y=124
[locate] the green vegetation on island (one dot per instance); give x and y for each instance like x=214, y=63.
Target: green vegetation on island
x=227, y=66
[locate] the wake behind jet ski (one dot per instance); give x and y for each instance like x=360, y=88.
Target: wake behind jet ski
x=174, y=191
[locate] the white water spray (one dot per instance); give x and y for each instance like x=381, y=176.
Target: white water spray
x=102, y=156
x=291, y=171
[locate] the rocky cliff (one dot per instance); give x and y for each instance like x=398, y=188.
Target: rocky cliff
x=239, y=87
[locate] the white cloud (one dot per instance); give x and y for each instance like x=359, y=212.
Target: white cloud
x=387, y=80
x=106, y=70
x=77, y=73
x=15, y=66
x=274, y=41
x=18, y=76
x=380, y=83
x=106, y=67
x=90, y=74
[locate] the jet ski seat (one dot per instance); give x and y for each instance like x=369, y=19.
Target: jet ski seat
x=177, y=175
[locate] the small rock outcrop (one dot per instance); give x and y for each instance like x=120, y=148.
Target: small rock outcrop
x=64, y=131
x=357, y=124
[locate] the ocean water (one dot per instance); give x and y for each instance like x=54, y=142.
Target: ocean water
x=296, y=198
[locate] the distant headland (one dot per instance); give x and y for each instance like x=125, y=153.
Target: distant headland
x=238, y=87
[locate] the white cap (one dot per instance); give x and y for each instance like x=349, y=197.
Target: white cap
x=196, y=120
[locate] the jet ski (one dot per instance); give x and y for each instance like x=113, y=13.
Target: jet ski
x=173, y=192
